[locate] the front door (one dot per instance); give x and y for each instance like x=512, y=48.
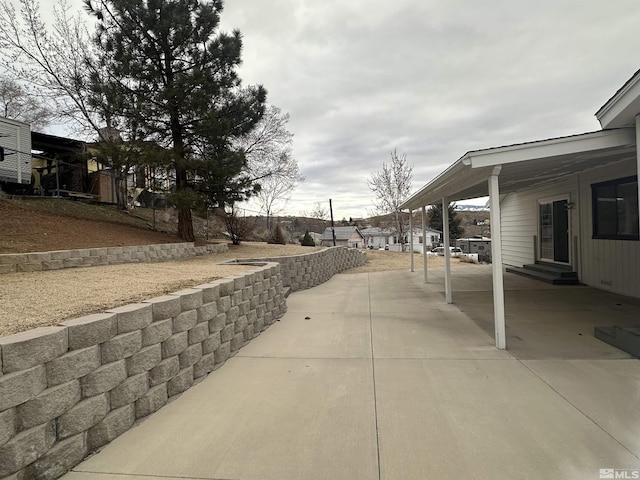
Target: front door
x=554, y=231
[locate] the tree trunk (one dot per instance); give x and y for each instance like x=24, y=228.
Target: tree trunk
x=185, y=225
x=185, y=222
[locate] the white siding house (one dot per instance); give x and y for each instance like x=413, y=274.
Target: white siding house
x=568, y=205
x=15, y=142
x=432, y=239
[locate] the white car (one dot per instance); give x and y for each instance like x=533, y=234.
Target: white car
x=455, y=251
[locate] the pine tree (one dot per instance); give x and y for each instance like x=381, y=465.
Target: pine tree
x=171, y=76
x=434, y=219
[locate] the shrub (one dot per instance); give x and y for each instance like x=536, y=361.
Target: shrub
x=307, y=241
x=277, y=237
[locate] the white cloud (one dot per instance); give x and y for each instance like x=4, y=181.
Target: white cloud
x=431, y=78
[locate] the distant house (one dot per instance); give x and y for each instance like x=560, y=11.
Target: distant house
x=345, y=236
x=375, y=237
x=433, y=238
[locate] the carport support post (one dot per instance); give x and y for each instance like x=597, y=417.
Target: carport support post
x=496, y=259
x=447, y=252
x=424, y=242
x=411, y=237
x=638, y=157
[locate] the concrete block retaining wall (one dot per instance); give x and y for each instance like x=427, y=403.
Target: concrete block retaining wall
x=67, y=390
x=70, y=389
x=308, y=270
x=89, y=257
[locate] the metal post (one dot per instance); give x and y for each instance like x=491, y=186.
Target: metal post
x=496, y=259
x=424, y=242
x=447, y=253
x=411, y=237
x=638, y=157
x=58, y=185
x=333, y=231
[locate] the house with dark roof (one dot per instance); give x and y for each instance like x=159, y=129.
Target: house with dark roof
x=349, y=236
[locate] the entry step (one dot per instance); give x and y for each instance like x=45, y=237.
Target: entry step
x=547, y=272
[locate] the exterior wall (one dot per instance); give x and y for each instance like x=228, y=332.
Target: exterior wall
x=356, y=241
x=520, y=219
x=612, y=265
x=377, y=241
x=70, y=389
x=89, y=257
x=15, y=137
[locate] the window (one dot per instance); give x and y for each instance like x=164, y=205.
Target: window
x=615, y=209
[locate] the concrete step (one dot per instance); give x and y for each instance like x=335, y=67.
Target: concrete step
x=544, y=276
x=626, y=339
x=564, y=271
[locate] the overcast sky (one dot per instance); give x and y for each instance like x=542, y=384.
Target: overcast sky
x=430, y=78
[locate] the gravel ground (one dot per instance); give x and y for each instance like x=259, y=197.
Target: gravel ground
x=36, y=299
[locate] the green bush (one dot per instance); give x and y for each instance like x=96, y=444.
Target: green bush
x=307, y=241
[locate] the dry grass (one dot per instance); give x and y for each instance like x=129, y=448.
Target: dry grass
x=36, y=299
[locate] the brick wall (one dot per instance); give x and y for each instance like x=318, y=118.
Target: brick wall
x=89, y=257
x=69, y=389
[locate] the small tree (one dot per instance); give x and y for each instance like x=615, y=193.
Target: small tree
x=237, y=227
x=391, y=187
x=434, y=218
x=277, y=237
x=307, y=241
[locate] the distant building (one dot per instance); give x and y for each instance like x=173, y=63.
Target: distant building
x=480, y=245
x=345, y=236
x=375, y=237
x=433, y=239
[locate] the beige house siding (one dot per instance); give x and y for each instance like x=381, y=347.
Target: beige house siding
x=612, y=265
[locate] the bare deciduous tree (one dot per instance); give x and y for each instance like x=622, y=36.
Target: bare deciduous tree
x=54, y=61
x=391, y=186
x=237, y=226
x=275, y=191
x=17, y=103
x=270, y=162
x=318, y=211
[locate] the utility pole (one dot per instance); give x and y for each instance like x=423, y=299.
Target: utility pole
x=333, y=231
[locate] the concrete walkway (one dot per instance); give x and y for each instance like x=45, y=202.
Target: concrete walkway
x=373, y=376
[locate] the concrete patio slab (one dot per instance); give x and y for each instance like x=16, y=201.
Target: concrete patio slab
x=313, y=334
x=605, y=391
x=432, y=334
x=257, y=418
x=482, y=419
x=385, y=381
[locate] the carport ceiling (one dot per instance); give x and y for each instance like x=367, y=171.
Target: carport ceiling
x=526, y=165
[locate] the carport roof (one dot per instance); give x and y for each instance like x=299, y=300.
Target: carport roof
x=526, y=165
